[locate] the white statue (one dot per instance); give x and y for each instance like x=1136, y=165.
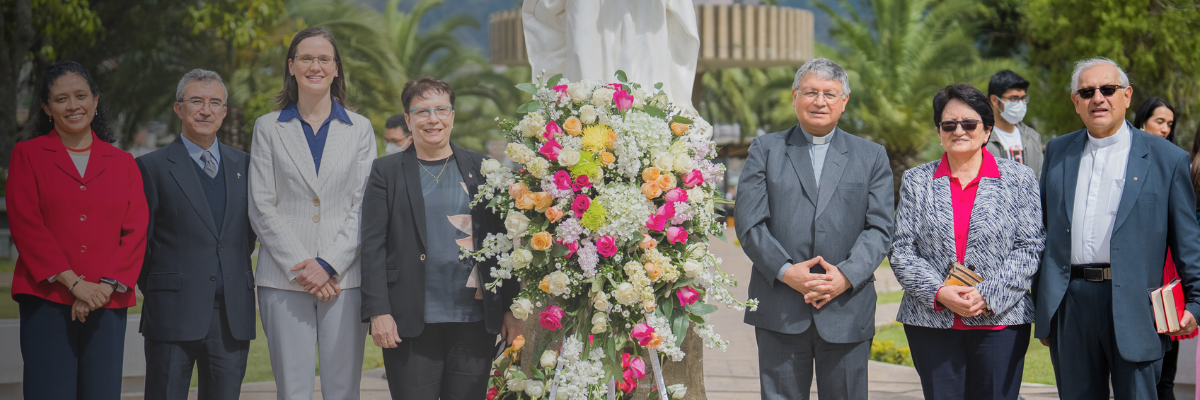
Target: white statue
x=651, y=40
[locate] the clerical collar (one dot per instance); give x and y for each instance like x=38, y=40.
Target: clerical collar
x=1122, y=134
x=818, y=140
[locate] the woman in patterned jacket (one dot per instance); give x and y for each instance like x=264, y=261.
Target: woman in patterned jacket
x=985, y=214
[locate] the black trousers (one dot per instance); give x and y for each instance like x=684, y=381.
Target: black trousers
x=969, y=364
x=220, y=358
x=449, y=361
x=67, y=359
x=1166, y=382
x=1083, y=348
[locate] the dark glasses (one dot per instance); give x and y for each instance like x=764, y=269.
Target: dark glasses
x=967, y=124
x=1106, y=90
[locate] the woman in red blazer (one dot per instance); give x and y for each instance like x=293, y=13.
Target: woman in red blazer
x=78, y=217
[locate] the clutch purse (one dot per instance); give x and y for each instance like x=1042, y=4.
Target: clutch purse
x=961, y=275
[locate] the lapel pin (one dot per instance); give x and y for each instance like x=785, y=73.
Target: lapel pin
x=240, y=175
x=1135, y=178
x=471, y=175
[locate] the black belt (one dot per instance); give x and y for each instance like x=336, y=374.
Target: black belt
x=1091, y=272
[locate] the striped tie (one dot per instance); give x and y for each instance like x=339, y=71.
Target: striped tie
x=210, y=165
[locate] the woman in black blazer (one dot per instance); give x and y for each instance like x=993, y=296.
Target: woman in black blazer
x=982, y=212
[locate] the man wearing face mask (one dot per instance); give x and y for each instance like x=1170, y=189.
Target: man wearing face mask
x=397, y=135
x=1011, y=138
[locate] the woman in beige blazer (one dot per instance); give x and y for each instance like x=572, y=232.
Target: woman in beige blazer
x=309, y=164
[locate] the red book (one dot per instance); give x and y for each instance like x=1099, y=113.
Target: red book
x=1168, y=306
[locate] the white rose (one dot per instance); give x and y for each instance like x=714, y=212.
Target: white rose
x=639, y=98
x=697, y=194
x=602, y=97
x=683, y=163
x=521, y=258
x=600, y=302
x=535, y=389
x=692, y=268
x=549, y=359
x=516, y=224
x=599, y=323
x=521, y=308
x=659, y=100
x=568, y=157
x=489, y=166
x=677, y=390
x=587, y=114
x=664, y=162
x=516, y=385
x=578, y=91
x=626, y=294
x=559, y=283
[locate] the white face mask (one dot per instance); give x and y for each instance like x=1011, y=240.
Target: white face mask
x=1014, y=111
x=392, y=148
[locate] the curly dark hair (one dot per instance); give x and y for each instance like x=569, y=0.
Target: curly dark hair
x=43, y=125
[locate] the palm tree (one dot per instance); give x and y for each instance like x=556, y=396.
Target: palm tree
x=897, y=60
x=754, y=98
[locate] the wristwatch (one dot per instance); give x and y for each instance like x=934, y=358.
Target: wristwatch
x=113, y=282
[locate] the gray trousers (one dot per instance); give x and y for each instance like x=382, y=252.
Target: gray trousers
x=785, y=365
x=294, y=321
x=1083, y=348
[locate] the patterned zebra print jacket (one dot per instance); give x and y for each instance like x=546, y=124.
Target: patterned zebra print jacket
x=1004, y=244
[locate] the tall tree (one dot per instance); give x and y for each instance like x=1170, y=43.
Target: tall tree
x=753, y=98
x=897, y=61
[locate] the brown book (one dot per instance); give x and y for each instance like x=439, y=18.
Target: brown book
x=961, y=275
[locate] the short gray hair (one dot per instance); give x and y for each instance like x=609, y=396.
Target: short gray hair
x=1084, y=65
x=823, y=68
x=199, y=75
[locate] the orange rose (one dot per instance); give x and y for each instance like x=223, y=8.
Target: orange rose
x=516, y=190
x=612, y=138
x=666, y=181
x=526, y=201
x=649, y=305
x=554, y=214
x=651, y=190
x=518, y=343
x=655, y=341
x=647, y=242
x=650, y=174
x=573, y=126
x=544, y=285
x=607, y=158
x=653, y=272
x=542, y=201
x=541, y=241
x=679, y=129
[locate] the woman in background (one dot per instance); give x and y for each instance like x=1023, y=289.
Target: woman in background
x=78, y=217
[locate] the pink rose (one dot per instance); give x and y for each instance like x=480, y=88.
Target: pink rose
x=550, y=150
x=572, y=247
x=552, y=318
x=635, y=365
x=582, y=181
x=627, y=385
x=642, y=334
x=656, y=222
x=687, y=296
x=676, y=194
x=667, y=211
x=693, y=179
x=676, y=234
x=562, y=90
x=580, y=205
x=562, y=180
x=552, y=129
x=623, y=100
x=606, y=246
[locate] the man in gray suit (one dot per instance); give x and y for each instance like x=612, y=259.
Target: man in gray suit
x=197, y=282
x=814, y=214
x=1114, y=199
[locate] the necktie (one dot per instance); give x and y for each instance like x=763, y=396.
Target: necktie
x=210, y=165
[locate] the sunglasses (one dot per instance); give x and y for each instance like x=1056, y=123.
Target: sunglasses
x=967, y=124
x=1106, y=90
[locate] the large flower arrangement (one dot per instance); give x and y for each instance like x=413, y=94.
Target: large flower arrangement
x=607, y=220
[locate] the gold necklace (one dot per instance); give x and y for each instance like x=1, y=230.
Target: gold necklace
x=436, y=178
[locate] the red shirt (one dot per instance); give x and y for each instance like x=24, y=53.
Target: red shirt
x=963, y=200
x=93, y=224
x=1171, y=274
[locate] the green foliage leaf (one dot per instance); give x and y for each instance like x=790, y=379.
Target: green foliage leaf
x=558, y=250
x=554, y=80
x=621, y=76
x=528, y=107
x=527, y=87
x=682, y=119
x=679, y=327
x=654, y=111
x=539, y=258
x=702, y=309
x=658, y=85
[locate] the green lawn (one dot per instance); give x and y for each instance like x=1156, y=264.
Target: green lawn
x=7, y=265
x=1037, y=359
x=889, y=297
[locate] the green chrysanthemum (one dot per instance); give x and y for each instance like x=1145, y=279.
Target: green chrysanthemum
x=587, y=165
x=595, y=217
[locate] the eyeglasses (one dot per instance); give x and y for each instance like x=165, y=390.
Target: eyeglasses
x=1023, y=99
x=305, y=61
x=967, y=124
x=813, y=94
x=424, y=113
x=198, y=103
x=1106, y=90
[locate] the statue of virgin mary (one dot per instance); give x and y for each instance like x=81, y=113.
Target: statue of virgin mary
x=651, y=40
